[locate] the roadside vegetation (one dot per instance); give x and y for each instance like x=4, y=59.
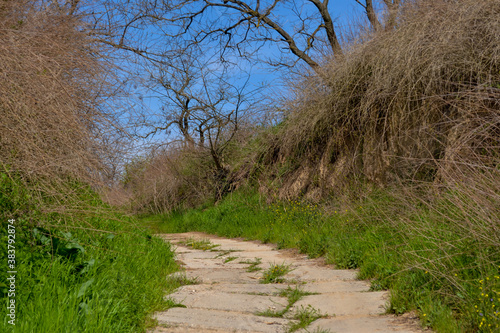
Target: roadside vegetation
x=387, y=161
x=70, y=263
x=80, y=272
x=419, y=254
x=384, y=157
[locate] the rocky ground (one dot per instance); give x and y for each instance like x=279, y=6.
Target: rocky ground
x=230, y=295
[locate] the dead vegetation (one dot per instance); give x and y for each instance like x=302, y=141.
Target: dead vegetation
x=182, y=176
x=52, y=83
x=167, y=179
x=420, y=103
x=416, y=107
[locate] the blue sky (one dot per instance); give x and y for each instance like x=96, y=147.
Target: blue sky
x=343, y=12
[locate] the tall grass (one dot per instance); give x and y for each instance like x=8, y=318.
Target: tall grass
x=107, y=276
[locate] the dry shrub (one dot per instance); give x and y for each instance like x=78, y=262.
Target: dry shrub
x=167, y=179
x=416, y=110
x=420, y=103
x=181, y=174
x=52, y=83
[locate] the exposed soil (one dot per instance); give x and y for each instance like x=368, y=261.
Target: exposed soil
x=229, y=298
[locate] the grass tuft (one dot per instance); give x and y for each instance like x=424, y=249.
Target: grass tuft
x=304, y=316
x=200, y=244
x=275, y=273
x=254, y=264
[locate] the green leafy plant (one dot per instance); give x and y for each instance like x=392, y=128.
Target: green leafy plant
x=275, y=273
x=304, y=316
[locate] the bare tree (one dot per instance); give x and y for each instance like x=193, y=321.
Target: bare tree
x=299, y=30
x=391, y=7
x=200, y=107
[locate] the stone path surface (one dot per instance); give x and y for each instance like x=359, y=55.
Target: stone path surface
x=230, y=297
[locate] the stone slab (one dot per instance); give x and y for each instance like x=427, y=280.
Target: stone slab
x=237, y=288
x=344, y=304
x=216, y=300
x=336, y=286
x=319, y=274
x=373, y=324
x=223, y=275
x=220, y=320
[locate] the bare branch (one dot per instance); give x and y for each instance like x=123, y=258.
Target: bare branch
x=328, y=25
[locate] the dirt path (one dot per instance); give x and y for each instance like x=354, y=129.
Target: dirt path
x=230, y=295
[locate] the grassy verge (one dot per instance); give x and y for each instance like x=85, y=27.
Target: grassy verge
x=429, y=265
x=79, y=272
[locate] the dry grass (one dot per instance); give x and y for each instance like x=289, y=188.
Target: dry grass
x=417, y=109
x=166, y=179
x=52, y=84
x=416, y=104
x=179, y=175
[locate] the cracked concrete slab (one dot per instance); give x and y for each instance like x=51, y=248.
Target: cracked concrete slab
x=224, y=301
x=347, y=303
x=221, y=320
x=356, y=324
x=238, y=288
x=337, y=286
x=228, y=298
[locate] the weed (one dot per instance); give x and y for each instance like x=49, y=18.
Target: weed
x=487, y=305
x=171, y=303
x=292, y=295
x=304, y=316
x=272, y=313
x=223, y=253
x=254, y=265
x=179, y=279
x=275, y=273
x=229, y=259
x=200, y=244
x=259, y=293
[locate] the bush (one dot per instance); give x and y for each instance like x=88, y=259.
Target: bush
x=52, y=84
x=420, y=103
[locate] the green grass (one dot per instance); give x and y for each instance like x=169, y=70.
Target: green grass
x=200, y=244
x=419, y=254
x=229, y=259
x=275, y=273
x=304, y=317
x=108, y=277
x=293, y=295
x=180, y=279
x=253, y=264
